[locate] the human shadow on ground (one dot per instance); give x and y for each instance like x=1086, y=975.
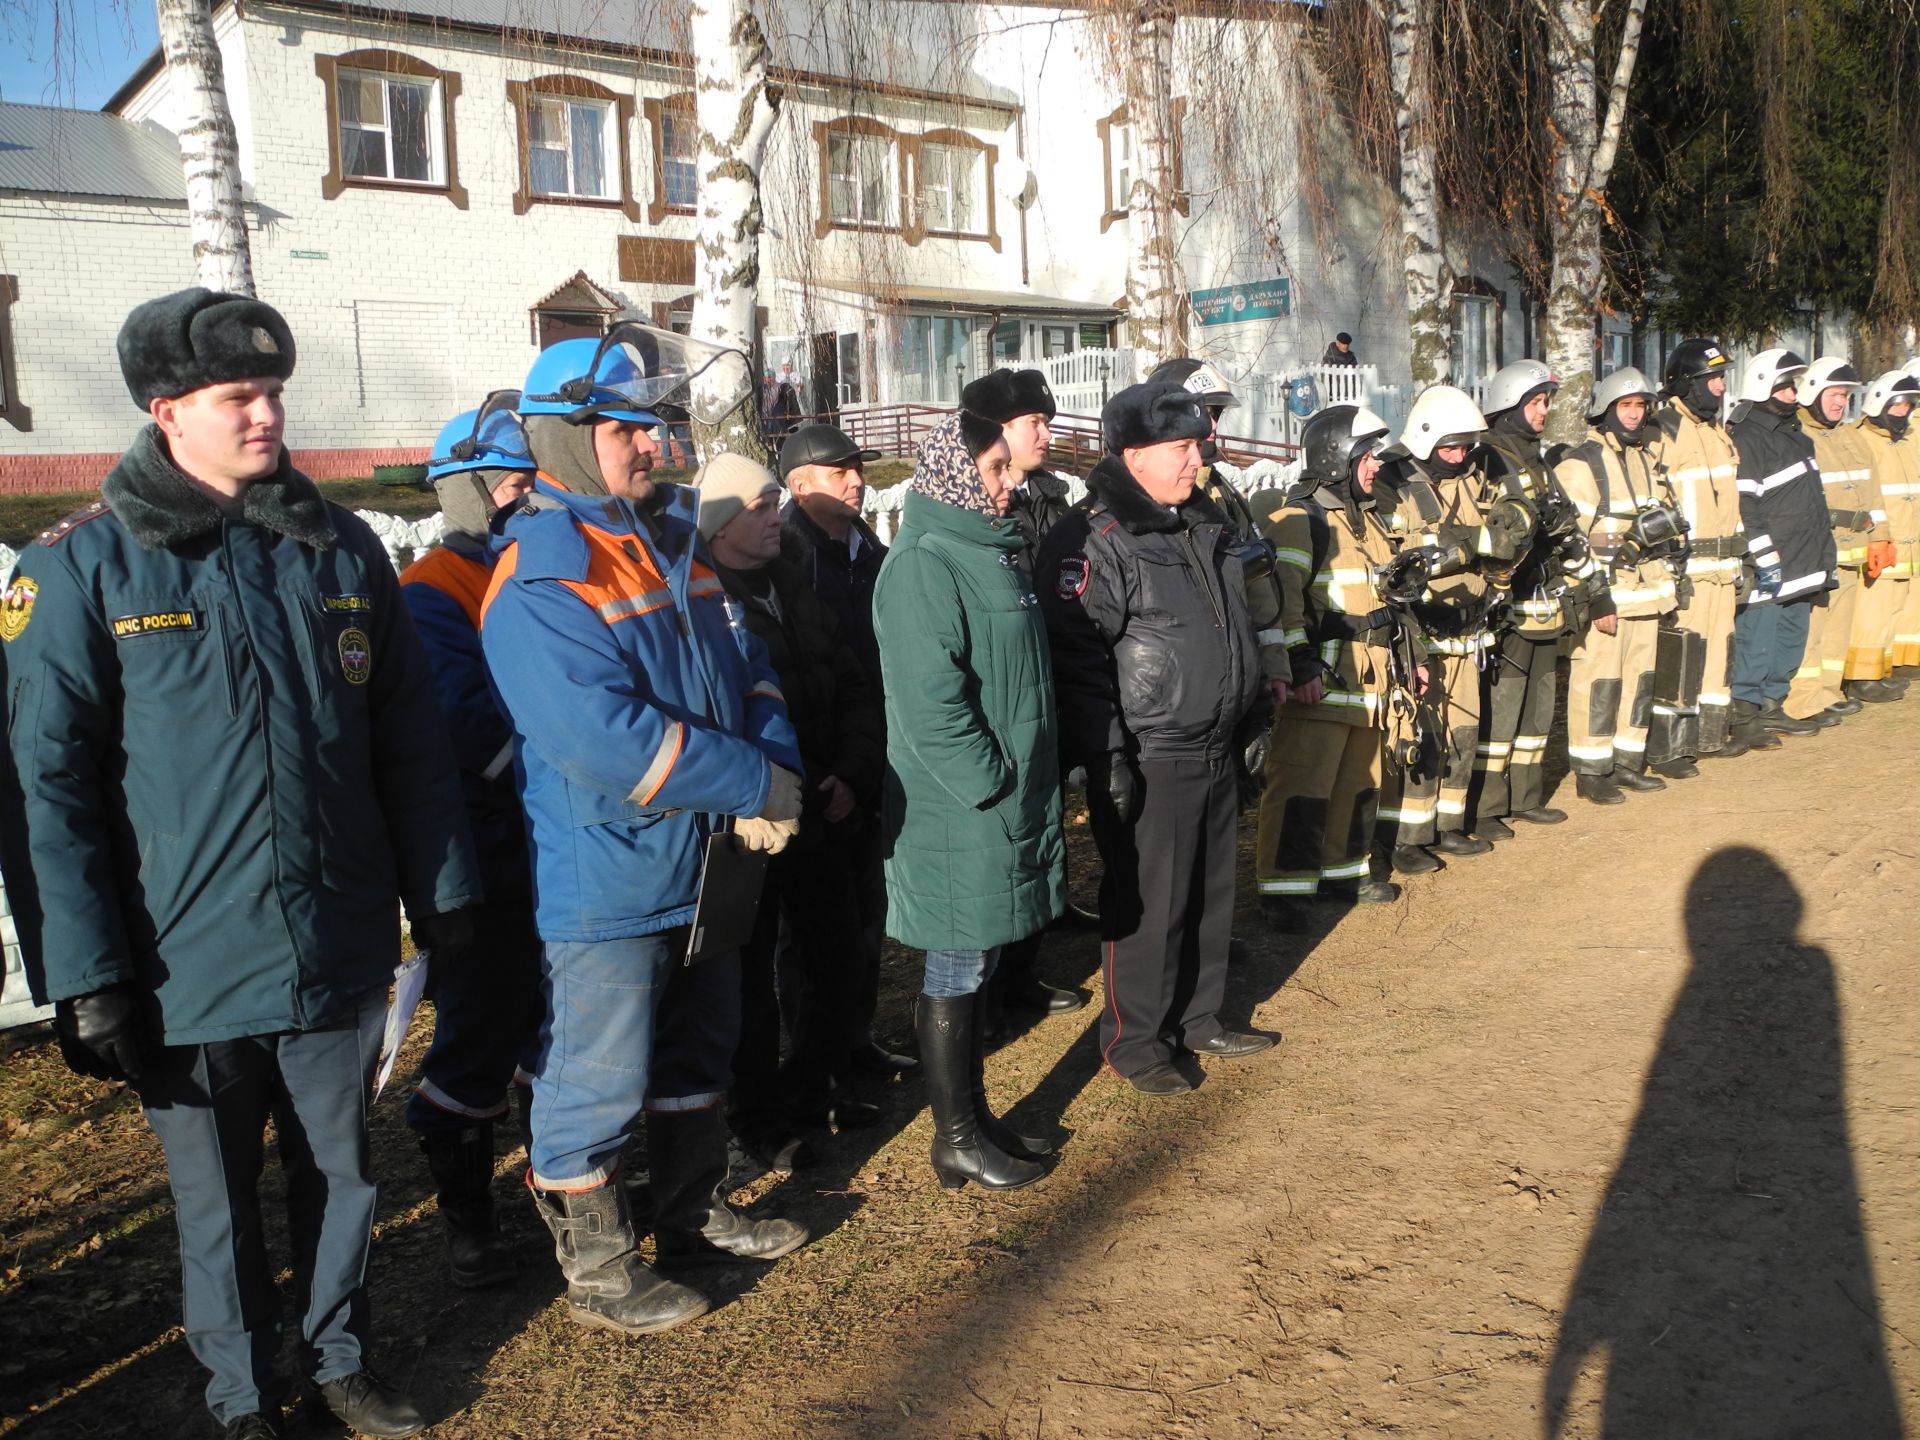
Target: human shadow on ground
x=1726, y=1286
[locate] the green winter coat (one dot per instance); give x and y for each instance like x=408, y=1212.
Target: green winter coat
x=972, y=800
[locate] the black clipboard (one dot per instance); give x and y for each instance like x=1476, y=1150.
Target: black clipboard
x=731, y=879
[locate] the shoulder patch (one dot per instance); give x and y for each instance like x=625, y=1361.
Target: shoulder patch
x=66, y=525
x=16, y=606
x=1070, y=582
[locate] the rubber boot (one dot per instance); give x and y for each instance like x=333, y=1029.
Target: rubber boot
x=992, y=1127
x=1627, y=778
x=608, y=1285
x=961, y=1152
x=687, y=1171
x=1747, y=729
x=1600, y=789
x=1412, y=860
x=461, y=1163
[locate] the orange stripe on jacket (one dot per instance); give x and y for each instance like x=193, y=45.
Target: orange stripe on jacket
x=622, y=580
x=460, y=579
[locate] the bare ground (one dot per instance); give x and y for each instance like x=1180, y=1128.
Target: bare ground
x=1580, y=1138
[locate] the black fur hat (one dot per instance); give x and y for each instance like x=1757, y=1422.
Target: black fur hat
x=1149, y=414
x=198, y=337
x=978, y=433
x=1001, y=395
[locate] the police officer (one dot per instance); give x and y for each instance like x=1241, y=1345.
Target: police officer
x=1691, y=444
x=1351, y=659
x=1519, y=688
x=1888, y=576
x=645, y=717
x=1618, y=492
x=1437, y=495
x=1154, y=664
x=1789, y=541
x=1853, y=510
x=230, y=763
x=486, y=1011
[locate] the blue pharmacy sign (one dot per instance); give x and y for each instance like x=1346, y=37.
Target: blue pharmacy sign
x=1230, y=304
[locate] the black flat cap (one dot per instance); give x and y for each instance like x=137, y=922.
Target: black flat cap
x=199, y=337
x=1152, y=414
x=820, y=445
x=1002, y=395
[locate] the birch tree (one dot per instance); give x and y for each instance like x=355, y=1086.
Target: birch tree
x=1587, y=140
x=209, y=147
x=1428, y=277
x=734, y=112
x=1154, y=324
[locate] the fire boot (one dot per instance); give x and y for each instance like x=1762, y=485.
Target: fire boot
x=995, y=1130
x=1021, y=989
x=1412, y=860
x=687, y=1164
x=1872, y=692
x=461, y=1163
x=1600, y=789
x=1777, y=720
x=1749, y=730
x=608, y=1284
x=961, y=1150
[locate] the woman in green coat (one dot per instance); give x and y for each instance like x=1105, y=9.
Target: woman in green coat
x=972, y=800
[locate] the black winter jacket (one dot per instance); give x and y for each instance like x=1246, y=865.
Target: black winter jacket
x=835, y=710
x=1783, y=506
x=1153, y=649
x=1037, y=506
x=843, y=581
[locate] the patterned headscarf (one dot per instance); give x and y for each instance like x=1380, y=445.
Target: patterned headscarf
x=946, y=472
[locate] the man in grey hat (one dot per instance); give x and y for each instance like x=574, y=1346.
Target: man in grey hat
x=230, y=764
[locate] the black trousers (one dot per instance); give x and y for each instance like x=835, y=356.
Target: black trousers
x=1510, y=772
x=1166, y=910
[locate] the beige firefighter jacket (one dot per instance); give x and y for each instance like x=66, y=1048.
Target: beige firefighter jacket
x=1703, y=470
x=1609, y=484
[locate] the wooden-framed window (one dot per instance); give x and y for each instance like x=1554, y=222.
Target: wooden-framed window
x=1119, y=161
x=953, y=186
x=862, y=175
x=13, y=409
x=675, y=155
x=389, y=124
x=573, y=141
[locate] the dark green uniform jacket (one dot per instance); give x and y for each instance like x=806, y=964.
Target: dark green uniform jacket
x=972, y=801
x=229, y=758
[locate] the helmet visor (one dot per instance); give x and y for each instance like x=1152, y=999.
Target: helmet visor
x=496, y=438
x=639, y=371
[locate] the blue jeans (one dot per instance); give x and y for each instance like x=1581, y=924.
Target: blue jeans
x=952, y=973
x=1768, y=642
x=209, y=1104
x=628, y=1028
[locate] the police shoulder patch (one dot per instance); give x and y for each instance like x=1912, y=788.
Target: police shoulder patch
x=1071, y=580
x=66, y=525
x=16, y=606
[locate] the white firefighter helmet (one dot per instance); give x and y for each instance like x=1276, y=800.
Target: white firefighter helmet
x=1621, y=384
x=1441, y=415
x=1827, y=373
x=1885, y=389
x=1766, y=373
x=1513, y=385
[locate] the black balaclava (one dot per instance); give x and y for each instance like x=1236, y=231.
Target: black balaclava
x=1610, y=424
x=1894, y=425
x=1514, y=422
x=1438, y=469
x=1700, y=400
x=1779, y=406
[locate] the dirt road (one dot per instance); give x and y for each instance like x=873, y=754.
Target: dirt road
x=1611, y=1133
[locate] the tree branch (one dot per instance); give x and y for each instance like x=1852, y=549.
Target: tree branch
x=1615, y=123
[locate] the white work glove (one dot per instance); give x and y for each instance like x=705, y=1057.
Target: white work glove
x=783, y=796
x=768, y=835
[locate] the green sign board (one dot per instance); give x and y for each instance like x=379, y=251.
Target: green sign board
x=308, y=254
x=1230, y=304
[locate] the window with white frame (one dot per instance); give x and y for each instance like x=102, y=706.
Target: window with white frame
x=1475, y=348
x=1120, y=164
x=388, y=128
x=861, y=172
x=950, y=188
x=678, y=148
x=567, y=147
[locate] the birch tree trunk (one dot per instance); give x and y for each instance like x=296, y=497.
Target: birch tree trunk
x=1583, y=164
x=734, y=113
x=1154, y=327
x=209, y=148
x=1428, y=278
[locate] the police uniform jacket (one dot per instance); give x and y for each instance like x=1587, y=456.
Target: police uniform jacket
x=1703, y=470
x=1037, y=505
x=443, y=590
x=1609, y=483
x=1153, y=648
x=1782, y=503
x=229, y=756
x=1853, y=499
x=644, y=711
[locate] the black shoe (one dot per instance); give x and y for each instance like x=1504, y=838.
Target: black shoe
x=1458, y=842
x=1681, y=769
x=1232, y=1044
x=1412, y=860
x=1852, y=705
x=361, y=1402
x=1075, y=917
x=839, y=1113
x=1868, y=692
x=1637, y=780
x=692, y=1221
x=1600, y=789
x=1160, y=1078
x=263, y=1425
x=461, y=1163
x=1780, y=723
x=876, y=1059
x=1284, y=914
x=1493, y=828
x=1028, y=991
x=1376, y=892
x=1540, y=815
x=1733, y=749
x=963, y=1150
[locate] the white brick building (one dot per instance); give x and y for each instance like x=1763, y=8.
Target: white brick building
x=438, y=187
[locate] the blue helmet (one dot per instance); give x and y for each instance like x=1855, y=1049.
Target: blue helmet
x=587, y=380
x=489, y=438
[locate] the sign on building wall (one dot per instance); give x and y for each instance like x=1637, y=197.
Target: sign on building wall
x=1230, y=304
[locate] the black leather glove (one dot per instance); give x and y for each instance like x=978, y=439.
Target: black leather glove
x=104, y=1034
x=446, y=938
x=1121, y=782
